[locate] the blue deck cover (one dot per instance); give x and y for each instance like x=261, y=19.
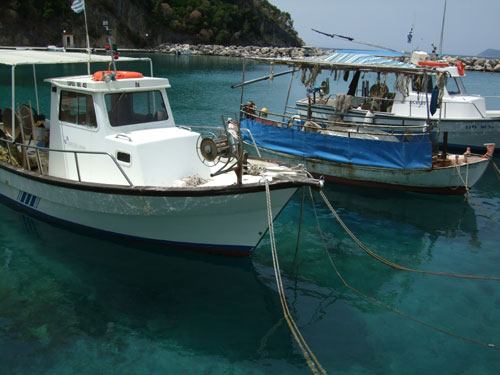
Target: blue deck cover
x=411, y=153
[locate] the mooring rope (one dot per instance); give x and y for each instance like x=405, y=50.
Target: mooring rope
x=496, y=168
x=391, y=264
x=464, y=182
x=300, y=225
x=309, y=356
x=468, y=195
x=387, y=307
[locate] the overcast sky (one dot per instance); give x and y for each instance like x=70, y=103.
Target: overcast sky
x=471, y=26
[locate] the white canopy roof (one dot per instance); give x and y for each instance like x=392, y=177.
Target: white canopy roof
x=35, y=57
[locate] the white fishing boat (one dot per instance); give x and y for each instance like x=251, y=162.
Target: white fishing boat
x=346, y=150
x=116, y=163
x=463, y=117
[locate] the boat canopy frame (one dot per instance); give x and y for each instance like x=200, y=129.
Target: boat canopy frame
x=340, y=61
x=26, y=57
x=324, y=64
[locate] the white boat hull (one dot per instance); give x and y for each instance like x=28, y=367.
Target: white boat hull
x=221, y=220
x=444, y=180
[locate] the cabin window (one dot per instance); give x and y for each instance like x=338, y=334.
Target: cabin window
x=129, y=108
x=77, y=108
x=418, y=83
x=452, y=86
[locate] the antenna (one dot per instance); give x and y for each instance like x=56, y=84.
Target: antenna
x=350, y=39
x=442, y=32
x=111, y=48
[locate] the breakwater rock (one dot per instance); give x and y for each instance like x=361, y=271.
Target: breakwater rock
x=479, y=64
x=240, y=51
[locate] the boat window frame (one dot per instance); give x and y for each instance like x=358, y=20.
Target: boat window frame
x=87, y=99
x=453, y=84
x=461, y=86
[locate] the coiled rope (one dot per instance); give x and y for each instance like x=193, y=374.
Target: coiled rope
x=391, y=264
x=309, y=356
x=387, y=307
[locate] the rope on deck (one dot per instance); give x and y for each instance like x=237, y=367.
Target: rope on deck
x=311, y=359
x=371, y=299
x=394, y=265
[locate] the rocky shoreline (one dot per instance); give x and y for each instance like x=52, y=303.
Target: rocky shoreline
x=240, y=51
x=478, y=64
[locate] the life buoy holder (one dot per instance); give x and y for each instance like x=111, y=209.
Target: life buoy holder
x=435, y=64
x=120, y=74
x=460, y=68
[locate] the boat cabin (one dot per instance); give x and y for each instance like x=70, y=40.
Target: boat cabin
x=456, y=103
x=125, y=119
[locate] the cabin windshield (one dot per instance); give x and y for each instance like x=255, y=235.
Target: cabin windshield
x=129, y=108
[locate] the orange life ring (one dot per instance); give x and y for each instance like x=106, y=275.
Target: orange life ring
x=437, y=64
x=120, y=74
x=460, y=68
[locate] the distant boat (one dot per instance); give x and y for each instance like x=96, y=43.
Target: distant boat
x=463, y=117
x=116, y=163
x=55, y=48
x=336, y=142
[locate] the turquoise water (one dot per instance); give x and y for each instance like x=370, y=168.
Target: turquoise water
x=74, y=303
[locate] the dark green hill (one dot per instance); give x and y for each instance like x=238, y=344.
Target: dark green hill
x=148, y=23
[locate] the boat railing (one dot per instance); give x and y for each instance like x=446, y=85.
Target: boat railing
x=450, y=109
x=384, y=104
x=364, y=104
x=362, y=116
x=26, y=164
x=367, y=103
x=315, y=124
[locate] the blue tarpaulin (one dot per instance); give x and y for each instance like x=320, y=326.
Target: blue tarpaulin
x=413, y=152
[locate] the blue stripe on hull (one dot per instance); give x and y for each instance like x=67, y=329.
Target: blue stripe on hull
x=26, y=198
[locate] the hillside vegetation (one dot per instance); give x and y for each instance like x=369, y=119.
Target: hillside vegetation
x=148, y=23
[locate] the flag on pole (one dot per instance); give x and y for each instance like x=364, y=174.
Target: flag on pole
x=410, y=35
x=78, y=6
